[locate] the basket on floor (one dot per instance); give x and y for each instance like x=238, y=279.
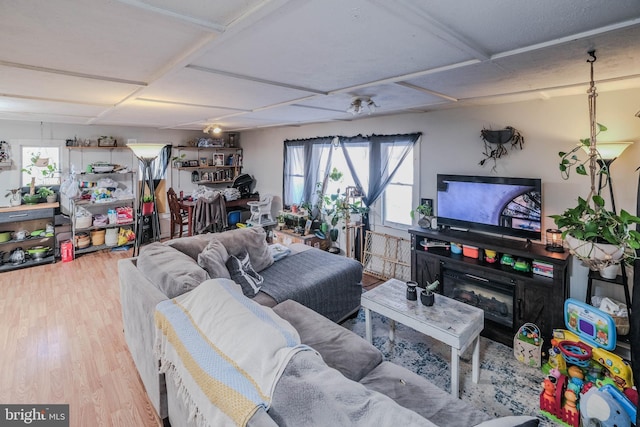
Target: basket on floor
x=575, y=353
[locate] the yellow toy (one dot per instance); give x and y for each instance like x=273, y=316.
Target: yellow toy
x=619, y=370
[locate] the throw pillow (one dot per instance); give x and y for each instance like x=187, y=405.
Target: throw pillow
x=171, y=271
x=252, y=240
x=213, y=259
x=243, y=274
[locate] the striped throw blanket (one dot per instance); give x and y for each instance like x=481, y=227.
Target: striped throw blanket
x=224, y=351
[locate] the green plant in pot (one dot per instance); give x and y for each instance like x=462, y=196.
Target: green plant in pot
x=426, y=215
x=39, y=165
x=426, y=296
x=600, y=238
x=47, y=193
x=148, y=204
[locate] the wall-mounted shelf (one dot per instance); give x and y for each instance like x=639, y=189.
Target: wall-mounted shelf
x=223, y=165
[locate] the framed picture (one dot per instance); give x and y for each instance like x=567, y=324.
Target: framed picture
x=307, y=226
x=218, y=159
x=193, y=163
x=204, y=162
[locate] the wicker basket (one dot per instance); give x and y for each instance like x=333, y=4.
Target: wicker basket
x=622, y=325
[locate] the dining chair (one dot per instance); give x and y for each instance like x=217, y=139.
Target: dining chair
x=179, y=216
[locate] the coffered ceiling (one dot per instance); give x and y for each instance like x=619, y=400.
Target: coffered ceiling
x=242, y=64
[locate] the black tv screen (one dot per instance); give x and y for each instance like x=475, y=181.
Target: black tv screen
x=499, y=205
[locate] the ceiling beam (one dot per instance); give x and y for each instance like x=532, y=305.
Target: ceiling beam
x=71, y=73
x=201, y=23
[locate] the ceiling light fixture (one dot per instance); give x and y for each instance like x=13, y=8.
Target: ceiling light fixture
x=360, y=103
x=212, y=129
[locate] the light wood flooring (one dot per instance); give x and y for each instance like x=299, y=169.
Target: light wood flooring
x=62, y=341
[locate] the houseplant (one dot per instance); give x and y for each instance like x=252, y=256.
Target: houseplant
x=46, y=169
x=147, y=204
x=425, y=210
x=47, y=193
x=589, y=225
x=426, y=296
x=599, y=237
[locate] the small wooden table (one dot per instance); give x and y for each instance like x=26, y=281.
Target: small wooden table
x=447, y=320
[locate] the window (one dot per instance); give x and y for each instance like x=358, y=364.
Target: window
x=369, y=164
x=398, y=196
x=45, y=170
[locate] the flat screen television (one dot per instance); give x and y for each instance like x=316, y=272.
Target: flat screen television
x=498, y=205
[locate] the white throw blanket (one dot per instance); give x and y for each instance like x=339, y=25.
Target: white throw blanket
x=224, y=351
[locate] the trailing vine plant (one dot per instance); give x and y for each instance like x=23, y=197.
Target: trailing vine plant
x=495, y=143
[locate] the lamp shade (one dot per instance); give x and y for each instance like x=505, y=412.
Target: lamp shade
x=610, y=150
x=146, y=150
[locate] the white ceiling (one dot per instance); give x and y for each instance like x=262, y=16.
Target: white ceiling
x=242, y=64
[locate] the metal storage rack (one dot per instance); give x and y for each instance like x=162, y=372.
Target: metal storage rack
x=69, y=206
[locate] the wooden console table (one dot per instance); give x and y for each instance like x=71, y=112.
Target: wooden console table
x=535, y=298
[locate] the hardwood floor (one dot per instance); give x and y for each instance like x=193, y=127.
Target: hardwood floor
x=61, y=341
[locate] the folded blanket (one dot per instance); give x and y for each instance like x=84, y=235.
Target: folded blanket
x=224, y=351
x=279, y=251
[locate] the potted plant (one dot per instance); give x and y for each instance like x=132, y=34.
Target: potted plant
x=426, y=296
x=47, y=193
x=46, y=169
x=147, y=204
x=15, y=195
x=425, y=210
x=598, y=237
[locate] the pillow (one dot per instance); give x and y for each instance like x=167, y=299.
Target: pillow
x=213, y=259
x=243, y=274
x=252, y=240
x=192, y=245
x=511, y=421
x=170, y=270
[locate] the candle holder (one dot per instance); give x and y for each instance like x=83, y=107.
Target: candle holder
x=554, y=240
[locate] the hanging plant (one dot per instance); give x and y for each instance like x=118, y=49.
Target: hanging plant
x=495, y=143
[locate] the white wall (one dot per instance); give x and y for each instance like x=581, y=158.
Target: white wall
x=451, y=144
x=17, y=133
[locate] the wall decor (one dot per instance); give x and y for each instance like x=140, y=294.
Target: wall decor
x=495, y=142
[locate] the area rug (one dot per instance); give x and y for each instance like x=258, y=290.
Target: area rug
x=506, y=386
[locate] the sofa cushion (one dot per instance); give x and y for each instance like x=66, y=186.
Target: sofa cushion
x=340, y=348
x=243, y=274
x=414, y=392
x=191, y=246
x=173, y=272
x=214, y=259
x=251, y=239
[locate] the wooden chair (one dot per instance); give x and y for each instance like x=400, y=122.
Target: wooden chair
x=179, y=217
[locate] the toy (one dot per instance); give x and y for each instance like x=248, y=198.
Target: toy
x=527, y=345
x=522, y=265
x=599, y=408
x=618, y=369
x=593, y=390
x=594, y=326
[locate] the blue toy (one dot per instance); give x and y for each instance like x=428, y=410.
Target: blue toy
x=598, y=408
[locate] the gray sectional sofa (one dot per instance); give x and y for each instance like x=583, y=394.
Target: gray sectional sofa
x=314, y=290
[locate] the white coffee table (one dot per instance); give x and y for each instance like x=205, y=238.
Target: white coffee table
x=449, y=321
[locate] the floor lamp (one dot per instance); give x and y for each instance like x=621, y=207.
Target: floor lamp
x=609, y=151
x=146, y=153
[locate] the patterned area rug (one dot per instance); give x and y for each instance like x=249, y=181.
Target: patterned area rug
x=506, y=387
